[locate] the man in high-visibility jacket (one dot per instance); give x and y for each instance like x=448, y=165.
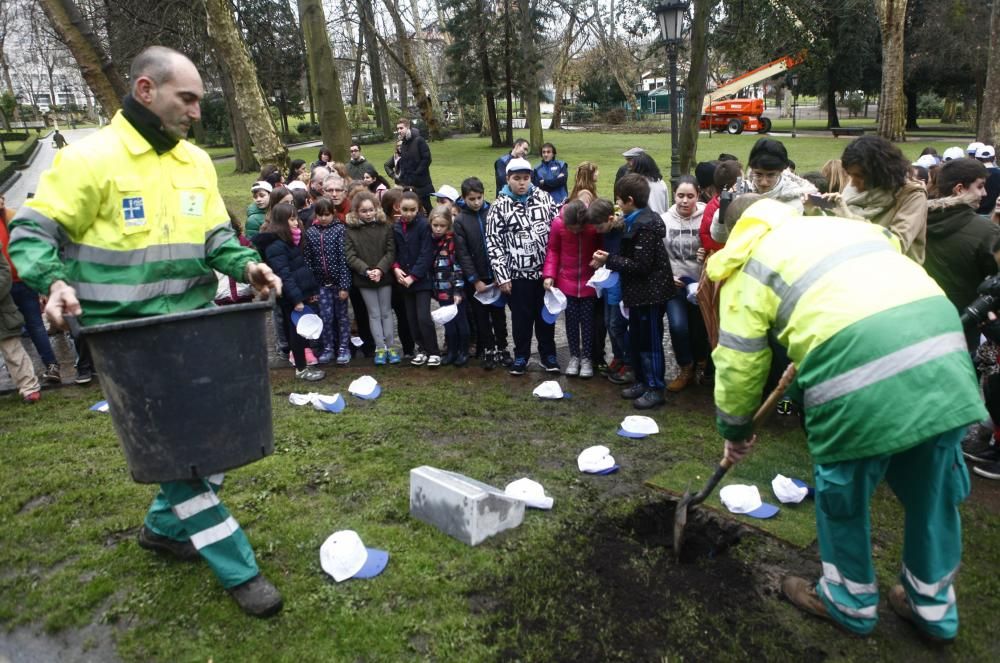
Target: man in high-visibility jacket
x=887, y=389
x=129, y=223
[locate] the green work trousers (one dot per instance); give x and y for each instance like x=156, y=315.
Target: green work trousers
x=191, y=510
x=930, y=480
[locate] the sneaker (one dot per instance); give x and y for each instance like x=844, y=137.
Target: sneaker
x=900, y=604
x=634, y=392
x=784, y=407
x=344, y=358
x=182, y=550
x=619, y=375
x=311, y=359
x=489, y=360
x=802, y=595
x=380, y=357
x=573, y=367
x=461, y=359
x=433, y=361
x=988, y=470
x=394, y=357
x=505, y=359
x=325, y=357
x=33, y=397
x=52, y=375
x=586, y=369
x=448, y=359
x=84, y=375
x=652, y=398
x=551, y=364
x=615, y=365
x=291, y=358
x=602, y=367
x=310, y=374
x=257, y=597
x=978, y=444
x=419, y=359
x=519, y=366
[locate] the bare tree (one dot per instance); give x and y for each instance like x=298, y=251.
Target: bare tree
x=892, y=101
x=529, y=72
x=375, y=67
x=617, y=56
x=324, y=79
x=696, y=82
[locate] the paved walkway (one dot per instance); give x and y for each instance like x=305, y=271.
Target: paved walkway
x=44, y=156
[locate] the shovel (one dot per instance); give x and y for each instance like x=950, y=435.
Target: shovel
x=689, y=500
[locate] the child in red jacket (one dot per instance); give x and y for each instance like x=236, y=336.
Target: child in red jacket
x=572, y=242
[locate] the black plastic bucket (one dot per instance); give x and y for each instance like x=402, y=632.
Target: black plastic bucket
x=189, y=393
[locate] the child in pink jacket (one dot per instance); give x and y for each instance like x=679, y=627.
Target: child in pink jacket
x=572, y=243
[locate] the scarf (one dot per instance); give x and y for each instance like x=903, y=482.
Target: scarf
x=148, y=124
x=869, y=204
x=520, y=199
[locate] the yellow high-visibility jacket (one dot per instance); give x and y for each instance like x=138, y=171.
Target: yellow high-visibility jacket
x=881, y=357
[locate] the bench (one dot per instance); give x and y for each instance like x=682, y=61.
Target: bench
x=847, y=131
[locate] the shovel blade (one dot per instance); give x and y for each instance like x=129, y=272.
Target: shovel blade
x=680, y=521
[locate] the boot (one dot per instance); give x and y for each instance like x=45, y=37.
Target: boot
x=461, y=359
x=652, y=398
x=683, y=379
x=901, y=606
x=490, y=359
x=634, y=392
x=257, y=597
x=150, y=540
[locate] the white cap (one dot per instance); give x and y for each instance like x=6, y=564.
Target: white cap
x=973, y=148
x=745, y=500
x=637, y=426
x=603, y=278
x=530, y=492
x=548, y=389
x=309, y=325
x=344, y=556
x=266, y=186
x=447, y=191
x=488, y=296
x=986, y=152
x=444, y=314
x=787, y=491
x=555, y=300
x=926, y=160
x=365, y=387
x=518, y=165
x=953, y=153
x=325, y=403
x=633, y=152
x=296, y=184
x=596, y=460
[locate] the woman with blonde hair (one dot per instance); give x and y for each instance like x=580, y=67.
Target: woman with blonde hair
x=585, y=185
x=836, y=177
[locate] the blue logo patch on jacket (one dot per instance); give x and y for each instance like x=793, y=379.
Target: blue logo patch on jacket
x=132, y=209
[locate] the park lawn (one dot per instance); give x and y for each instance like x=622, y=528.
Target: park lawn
x=552, y=589
x=455, y=159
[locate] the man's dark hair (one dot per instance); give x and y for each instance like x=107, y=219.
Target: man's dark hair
x=929, y=150
x=768, y=154
x=550, y=146
x=645, y=165
x=599, y=211
x=959, y=171
x=154, y=62
x=726, y=156
x=353, y=145
x=472, y=185
x=635, y=187
x=300, y=197
x=726, y=174
x=881, y=162
x=520, y=141
x=816, y=178
x=405, y=121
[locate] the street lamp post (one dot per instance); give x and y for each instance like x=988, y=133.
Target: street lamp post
x=670, y=15
x=795, y=101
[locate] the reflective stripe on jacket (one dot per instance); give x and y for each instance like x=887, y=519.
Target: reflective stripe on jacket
x=133, y=232
x=881, y=357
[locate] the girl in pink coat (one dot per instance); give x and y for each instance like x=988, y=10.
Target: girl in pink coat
x=572, y=243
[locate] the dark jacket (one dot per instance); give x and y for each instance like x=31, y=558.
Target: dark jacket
x=960, y=248
x=297, y=282
x=391, y=167
x=552, y=177
x=517, y=234
x=415, y=163
x=500, y=171
x=356, y=168
x=447, y=272
x=470, y=237
x=643, y=263
x=415, y=250
x=323, y=248
x=989, y=201
x=369, y=246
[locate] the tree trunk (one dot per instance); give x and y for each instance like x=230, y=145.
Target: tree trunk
x=529, y=83
x=911, y=110
x=245, y=160
x=559, y=75
x=96, y=67
x=832, y=118
x=489, y=85
x=357, y=87
x=989, y=119
x=507, y=73
x=325, y=80
x=228, y=44
x=950, y=110
x=696, y=83
x=375, y=70
x=423, y=62
x=892, y=118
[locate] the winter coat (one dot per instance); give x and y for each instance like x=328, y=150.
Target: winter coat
x=567, y=260
x=551, y=177
x=612, y=243
x=705, y=232
x=255, y=219
x=297, y=281
x=323, y=248
x=500, y=171
x=989, y=201
x=907, y=219
x=355, y=169
x=960, y=248
x=642, y=262
x=470, y=240
x=683, y=241
x=11, y=319
x=447, y=272
x=391, y=167
x=659, y=196
x=415, y=250
x=369, y=246
x=789, y=189
x=415, y=163
x=517, y=234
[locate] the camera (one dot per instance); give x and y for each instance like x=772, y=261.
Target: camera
x=988, y=300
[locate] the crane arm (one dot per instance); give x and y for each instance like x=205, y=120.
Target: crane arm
x=734, y=85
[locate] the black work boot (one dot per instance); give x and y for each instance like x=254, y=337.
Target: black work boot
x=183, y=550
x=652, y=398
x=257, y=597
x=634, y=392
